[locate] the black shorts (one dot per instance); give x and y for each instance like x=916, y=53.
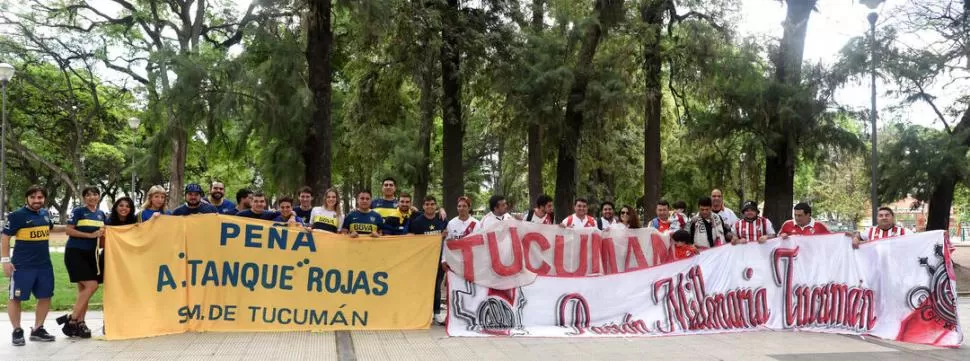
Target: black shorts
x=82, y=265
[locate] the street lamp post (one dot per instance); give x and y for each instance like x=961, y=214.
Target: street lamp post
x=741, y=177
x=6, y=73
x=133, y=124
x=873, y=5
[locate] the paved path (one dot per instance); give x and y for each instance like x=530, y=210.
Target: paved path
x=434, y=345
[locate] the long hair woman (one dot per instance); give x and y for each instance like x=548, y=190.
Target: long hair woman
x=122, y=212
x=328, y=217
x=154, y=203
x=628, y=216
x=84, y=230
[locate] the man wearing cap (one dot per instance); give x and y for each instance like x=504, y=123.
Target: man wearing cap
x=752, y=227
x=193, y=202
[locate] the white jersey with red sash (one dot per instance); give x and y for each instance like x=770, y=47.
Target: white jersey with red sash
x=457, y=229
x=753, y=230
x=876, y=233
x=575, y=222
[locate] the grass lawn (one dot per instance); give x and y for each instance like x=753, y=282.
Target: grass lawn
x=64, y=291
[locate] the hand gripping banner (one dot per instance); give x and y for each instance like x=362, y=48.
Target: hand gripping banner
x=899, y=289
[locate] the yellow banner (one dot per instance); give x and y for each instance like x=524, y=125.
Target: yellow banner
x=223, y=273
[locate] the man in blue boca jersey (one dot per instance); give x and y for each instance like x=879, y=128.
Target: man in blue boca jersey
x=193, y=202
x=305, y=208
x=429, y=223
x=387, y=204
x=396, y=222
x=30, y=269
x=217, y=192
x=362, y=220
x=259, y=210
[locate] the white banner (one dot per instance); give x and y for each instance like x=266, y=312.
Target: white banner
x=898, y=289
x=511, y=254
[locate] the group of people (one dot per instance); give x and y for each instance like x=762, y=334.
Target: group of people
x=31, y=272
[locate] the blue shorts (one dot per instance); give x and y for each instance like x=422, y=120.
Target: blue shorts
x=36, y=281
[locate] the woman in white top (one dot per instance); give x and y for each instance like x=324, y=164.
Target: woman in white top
x=328, y=217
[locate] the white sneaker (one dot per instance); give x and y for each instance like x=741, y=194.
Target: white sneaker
x=440, y=317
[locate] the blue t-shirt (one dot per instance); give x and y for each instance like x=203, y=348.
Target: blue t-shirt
x=147, y=214
x=227, y=207
x=420, y=224
x=31, y=230
x=363, y=223
x=231, y=212
x=266, y=215
x=303, y=215
x=279, y=218
x=87, y=221
x=203, y=208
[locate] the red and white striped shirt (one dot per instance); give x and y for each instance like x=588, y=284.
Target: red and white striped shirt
x=876, y=233
x=753, y=230
x=574, y=221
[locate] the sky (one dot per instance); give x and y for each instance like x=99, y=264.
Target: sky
x=829, y=29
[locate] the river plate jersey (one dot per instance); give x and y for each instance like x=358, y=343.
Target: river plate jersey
x=363, y=223
x=31, y=232
x=87, y=221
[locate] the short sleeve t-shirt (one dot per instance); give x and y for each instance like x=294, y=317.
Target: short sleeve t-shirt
x=420, y=224
x=813, y=227
x=226, y=207
x=87, y=221
x=363, y=223
x=384, y=207
x=280, y=218
x=147, y=214
x=265, y=215
x=305, y=215
x=203, y=208
x=326, y=220
x=31, y=231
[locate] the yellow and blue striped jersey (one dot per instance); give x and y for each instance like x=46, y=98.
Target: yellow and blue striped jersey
x=363, y=223
x=31, y=231
x=87, y=221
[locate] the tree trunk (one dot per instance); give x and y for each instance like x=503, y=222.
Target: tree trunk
x=428, y=102
x=317, y=153
x=651, y=12
x=780, y=157
x=177, y=179
x=453, y=129
x=569, y=143
x=534, y=131
x=941, y=201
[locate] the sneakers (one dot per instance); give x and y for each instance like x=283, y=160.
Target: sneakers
x=18, y=337
x=82, y=330
x=70, y=328
x=40, y=335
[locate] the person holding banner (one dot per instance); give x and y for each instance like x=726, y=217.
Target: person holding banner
x=542, y=213
x=154, y=204
x=328, y=217
x=305, y=209
x=803, y=224
x=286, y=214
x=628, y=218
x=885, y=228
x=459, y=227
x=429, y=223
x=607, y=219
x=244, y=201
x=707, y=228
x=580, y=219
x=362, y=220
x=259, y=209
x=217, y=191
x=396, y=221
x=85, y=227
x=499, y=211
x=664, y=221
x=193, y=202
x=30, y=270
x=752, y=228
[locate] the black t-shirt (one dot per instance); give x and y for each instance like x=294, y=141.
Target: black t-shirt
x=420, y=224
x=266, y=215
x=304, y=216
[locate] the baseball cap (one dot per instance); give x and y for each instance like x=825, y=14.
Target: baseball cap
x=750, y=205
x=193, y=187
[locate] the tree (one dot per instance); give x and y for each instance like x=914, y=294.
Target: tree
x=605, y=14
x=781, y=152
x=317, y=152
x=453, y=131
